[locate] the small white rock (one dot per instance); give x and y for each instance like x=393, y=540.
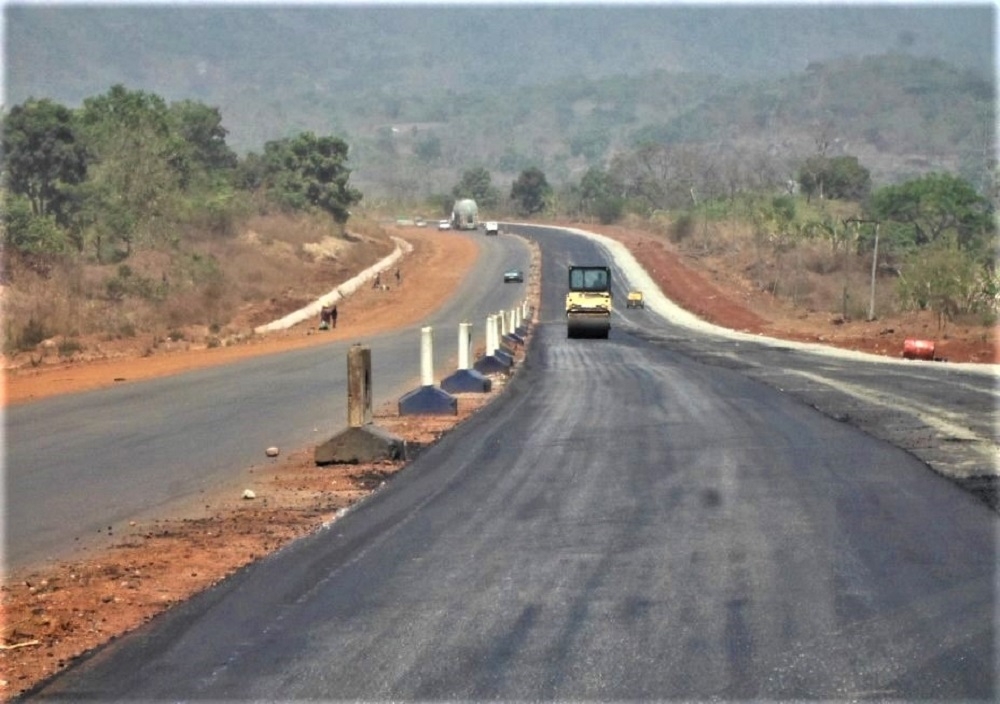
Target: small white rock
x=271, y=451
x=249, y=494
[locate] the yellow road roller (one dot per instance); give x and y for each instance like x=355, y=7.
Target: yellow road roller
x=588, y=302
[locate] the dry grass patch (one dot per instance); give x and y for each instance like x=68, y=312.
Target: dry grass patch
x=206, y=286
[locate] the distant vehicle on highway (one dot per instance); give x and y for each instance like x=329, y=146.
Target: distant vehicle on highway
x=444, y=225
x=420, y=222
x=492, y=227
x=465, y=214
x=513, y=276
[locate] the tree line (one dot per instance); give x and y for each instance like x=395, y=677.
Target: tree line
x=937, y=232
x=127, y=170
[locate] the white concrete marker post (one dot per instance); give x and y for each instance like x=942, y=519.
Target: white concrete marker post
x=427, y=399
x=491, y=328
x=501, y=351
x=464, y=342
x=491, y=362
x=465, y=379
x=426, y=357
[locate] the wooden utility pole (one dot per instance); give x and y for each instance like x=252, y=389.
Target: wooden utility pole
x=871, y=297
x=871, y=300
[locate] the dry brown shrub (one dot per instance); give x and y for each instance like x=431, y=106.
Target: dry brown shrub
x=293, y=229
x=37, y=305
x=820, y=260
x=206, y=280
x=723, y=238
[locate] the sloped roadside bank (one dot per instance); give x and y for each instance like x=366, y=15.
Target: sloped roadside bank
x=365, y=313
x=724, y=297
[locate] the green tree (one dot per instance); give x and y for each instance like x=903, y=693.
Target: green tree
x=43, y=156
x=251, y=173
x=477, y=184
x=930, y=208
x=204, y=137
x=28, y=233
x=310, y=171
x=941, y=278
x=134, y=183
x=601, y=195
x=841, y=177
x=530, y=191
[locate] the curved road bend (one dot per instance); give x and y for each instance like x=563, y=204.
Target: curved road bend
x=944, y=414
x=624, y=522
x=79, y=464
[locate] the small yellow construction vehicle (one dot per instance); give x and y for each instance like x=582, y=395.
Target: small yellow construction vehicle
x=588, y=303
x=634, y=300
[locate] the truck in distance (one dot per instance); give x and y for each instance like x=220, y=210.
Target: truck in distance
x=465, y=214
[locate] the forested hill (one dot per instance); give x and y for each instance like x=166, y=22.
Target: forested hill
x=423, y=92
x=269, y=54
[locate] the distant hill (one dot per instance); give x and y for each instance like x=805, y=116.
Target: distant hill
x=423, y=92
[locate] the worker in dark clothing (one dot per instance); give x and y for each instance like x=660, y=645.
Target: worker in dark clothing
x=327, y=317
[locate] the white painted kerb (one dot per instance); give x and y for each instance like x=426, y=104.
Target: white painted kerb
x=345, y=289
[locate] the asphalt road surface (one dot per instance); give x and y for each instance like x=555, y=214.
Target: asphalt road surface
x=78, y=465
x=627, y=521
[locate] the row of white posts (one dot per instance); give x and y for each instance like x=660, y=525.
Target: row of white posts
x=363, y=441
x=498, y=326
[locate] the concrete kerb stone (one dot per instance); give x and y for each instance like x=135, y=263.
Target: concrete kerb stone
x=428, y=401
x=342, y=291
x=466, y=381
x=368, y=443
x=513, y=338
x=491, y=364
